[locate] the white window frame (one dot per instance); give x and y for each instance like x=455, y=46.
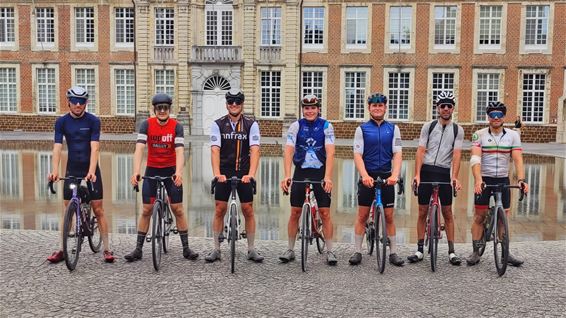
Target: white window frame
x=10, y=45
x=359, y=99
x=38, y=15
x=431, y=108
x=546, y=48
x=275, y=26
x=11, y=183
x=82, y=44
x=445, y=48
x=122, y=166
x=491, y=48
x=361, y=24
x=476, y=89
x=309, y=89
x=56, y=101
x=349, y=176
x=271, y=110
x=124, y=45
x=167, y=36
x=220, y=31
x=117, y=86
x=166, y=86
x=410, y=92
x=43, y=167
x=546, y=97
x=531, y=206
x=92, y=88
x=400, y=47
x=270, y=173
x=16, y=84
x=312, y=20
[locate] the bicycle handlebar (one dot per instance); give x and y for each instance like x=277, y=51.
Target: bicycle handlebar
x=501, y=186
x=305, y=181
x=416, y=189
x=233, y=180
x=156, y=178
x=380, y=181
x=71, y=178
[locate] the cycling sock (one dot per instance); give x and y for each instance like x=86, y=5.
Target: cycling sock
x=184, y=235
x=215, y=236
x=476, y=245
x=105, y=242
x=141, y=239
x=420, y=246
x=292, y=242
x=251, y=240
x=392, y=245
x=358, y=239
x=450, y=247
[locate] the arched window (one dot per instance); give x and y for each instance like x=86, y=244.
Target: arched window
x=216, y=82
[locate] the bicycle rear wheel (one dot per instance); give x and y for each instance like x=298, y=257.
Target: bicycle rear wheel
x=380, y=237
x=501, y=242
x=370, y=237
x=94, y=238
x=433, y=237
x=320, y=242
x=233, y=236
x=72, y=237
x=157, y=235
x=305, y=236
x=168, y=222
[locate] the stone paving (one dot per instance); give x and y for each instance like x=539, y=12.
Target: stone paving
x=30, y=287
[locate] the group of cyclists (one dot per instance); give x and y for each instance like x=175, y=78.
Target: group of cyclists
x=235, y=151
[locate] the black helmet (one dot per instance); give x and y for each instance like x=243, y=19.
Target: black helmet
x=377, y=98
x=310, y=100
x=77, y=91
x=235, y=94
x=161, y=98
x=444, y=98
x=496, y=105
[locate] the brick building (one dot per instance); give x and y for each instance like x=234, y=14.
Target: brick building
x=125, y=51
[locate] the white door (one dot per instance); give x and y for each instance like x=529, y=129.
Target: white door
x=213, y=107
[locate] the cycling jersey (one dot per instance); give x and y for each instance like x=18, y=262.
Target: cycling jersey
x=496, y=150
x=234, y=141
x=309, y=139
x=78, y=133
x=161, y=140
x=439, y=150
x=377, y=143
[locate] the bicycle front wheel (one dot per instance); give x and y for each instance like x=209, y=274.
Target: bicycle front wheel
x=72, y=237
x=433, y=237
x=168, y=222
x=305, y=236
x=380, y=238
x=94, y=238
x=233, y=236
x=157, y=235
x=501, y=242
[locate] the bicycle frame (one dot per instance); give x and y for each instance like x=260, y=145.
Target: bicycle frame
x=311, y=201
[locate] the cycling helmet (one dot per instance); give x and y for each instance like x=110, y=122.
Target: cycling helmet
x=444, y=98
x=235, y=94
x=310, y=100
x=78, y=92
x=377, y=98
x=496, y=105
x=161, y=98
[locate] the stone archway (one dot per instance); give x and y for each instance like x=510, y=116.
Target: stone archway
x=213, y=102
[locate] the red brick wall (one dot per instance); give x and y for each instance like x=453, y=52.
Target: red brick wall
x=118, y=125
x=271, y=128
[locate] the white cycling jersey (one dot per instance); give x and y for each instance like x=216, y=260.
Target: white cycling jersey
x=496, y=151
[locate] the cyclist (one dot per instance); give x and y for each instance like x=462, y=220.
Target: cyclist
x=234, y=146
x=492, y=148
x=81, y=130
x=165, y=142
x=438, y=160
x=310, y=146
x=377, y=153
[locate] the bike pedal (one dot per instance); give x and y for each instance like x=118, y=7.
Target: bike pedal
x=175, y=231
x=148, y=239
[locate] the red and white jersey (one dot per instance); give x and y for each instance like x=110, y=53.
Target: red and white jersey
x=161, y=141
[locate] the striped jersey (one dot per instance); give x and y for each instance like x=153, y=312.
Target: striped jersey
x=496, y=151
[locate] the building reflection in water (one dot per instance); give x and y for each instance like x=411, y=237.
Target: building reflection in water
x=25, y=202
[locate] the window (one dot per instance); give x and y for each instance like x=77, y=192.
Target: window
x=534, y=86
x=126, y=226
x=313, y=32
x=441, y=82
x=398, y=93
x=536, y=28
x=86, y=78
x=487, y=90
x=270, y=26
x=164, y=26
x=445, y=25
x=45, y=20
x=49, y=222
x=124, y=26
x=531, y=204
x=165, y=82
x=125, y=92
x=46, y=90
x=356, y=27
x=312, y=84
x=350, y=177
x=124, y=166
x=7, y=26
x=84, y=26
x=270, y=93
x=400, y=21
x=269, y=177
x=8, y=89
x=490, y=26
x=219, y=31
x=10, y=169
x=43, y=169
x=355, y=94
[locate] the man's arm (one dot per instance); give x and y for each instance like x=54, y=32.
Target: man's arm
x=476, y=168
x=397, y=159
x=138, y=156
x=330, y=150
x=215, y=144
x=421, y=151
x=517, y=155
x=55, y=160
x=94, y=152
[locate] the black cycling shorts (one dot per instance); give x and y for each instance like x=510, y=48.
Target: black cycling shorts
x=81, y=170
x=244, y=190
x=149, y=187
x=366, y=195
x=435, y=174
x=298, y=189
x=483, y=199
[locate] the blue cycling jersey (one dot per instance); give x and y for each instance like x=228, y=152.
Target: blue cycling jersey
x=309, y=139
x=377, y=143
x=78, y=133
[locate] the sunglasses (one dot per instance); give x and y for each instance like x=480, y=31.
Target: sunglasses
x=449, y=106
x=162, y=107
x=77, y=100
x=237, y=101
x=496, y=115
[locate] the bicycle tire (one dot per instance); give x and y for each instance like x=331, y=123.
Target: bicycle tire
x=94, y=238
x=380, y=238
x=488, y=228
x=370, y=232
x=501, y=242
x=320, y=241
x=156, y=236
x=305, y=236
x=72, y=237
x=433, y=243
x=233, y=237
x=168, y=221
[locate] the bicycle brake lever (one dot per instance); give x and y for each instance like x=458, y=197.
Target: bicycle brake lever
x=136, y=188
x=50, y=185
x=213, y=185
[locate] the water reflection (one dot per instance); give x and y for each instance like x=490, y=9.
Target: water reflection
x=26, y=203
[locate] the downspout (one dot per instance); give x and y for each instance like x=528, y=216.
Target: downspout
x=300, y=55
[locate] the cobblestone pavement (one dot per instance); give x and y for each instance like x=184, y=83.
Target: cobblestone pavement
x=31, y=287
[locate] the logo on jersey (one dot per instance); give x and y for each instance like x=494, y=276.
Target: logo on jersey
x=475, y=137
x=235, y=136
